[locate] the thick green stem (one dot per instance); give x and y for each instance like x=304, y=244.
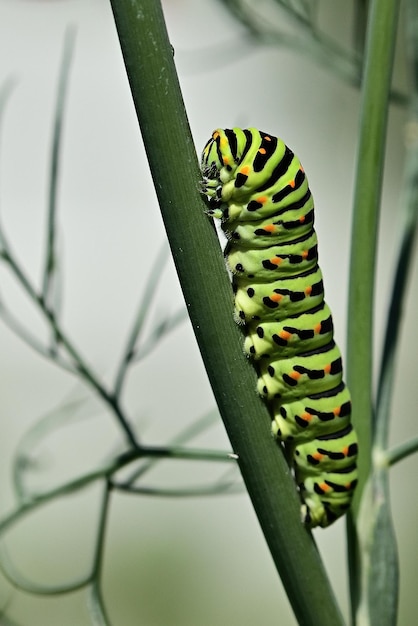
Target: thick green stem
x=378, y=71
x=207, y=291
x=380, y=43
x=407, y=242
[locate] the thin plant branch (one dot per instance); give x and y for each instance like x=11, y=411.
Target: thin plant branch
x=160, y=330
x=401, y=451
x=80, y=365
x=107, y=470
x=143, y=311
x=53, y=419
x=51, y=264
x=219, y=488
x=105, y=473
x=22, y=583
x=97, y=611
x=96, y=601
x=192, y=430
x=31, y=341
x=311, y=42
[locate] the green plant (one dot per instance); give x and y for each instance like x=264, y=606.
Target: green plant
x=373, y=565
x=195, y=248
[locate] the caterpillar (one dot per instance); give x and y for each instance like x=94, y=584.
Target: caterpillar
x=258, y=189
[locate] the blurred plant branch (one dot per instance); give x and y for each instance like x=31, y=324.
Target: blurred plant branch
x=62, y=352
x=294, y=24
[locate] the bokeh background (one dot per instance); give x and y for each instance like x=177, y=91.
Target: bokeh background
x=169, y=561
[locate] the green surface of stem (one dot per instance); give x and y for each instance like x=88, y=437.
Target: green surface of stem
x=380, y=44
x=407, y=242
x=378, y=71
x=207, y=291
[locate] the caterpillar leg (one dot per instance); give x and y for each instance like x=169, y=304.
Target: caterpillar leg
x=322, y=509
x=326, y=474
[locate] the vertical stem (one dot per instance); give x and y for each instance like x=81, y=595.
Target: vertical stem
x=380, y=44
x=97, y=604
x=207, y=291
x=407, y=240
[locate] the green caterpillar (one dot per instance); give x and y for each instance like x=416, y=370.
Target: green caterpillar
x=257, y=187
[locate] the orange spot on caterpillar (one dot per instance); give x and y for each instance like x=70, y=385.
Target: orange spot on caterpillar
x=215, y=135
x=225, y=160
x=292, y=184
x=306, y=416
x=327, y=368
x=276, y=260
x=261, y=199
x=270, y=228
x=317, y=328
x=262, y=151
x=305, y=254
x=345, y=451
x=295, y=375
x=317, y=456
x=245, y=170
x=324, y=487
x=302, y=219
x=284, y=334
x=336, y=411
x=267, y=138
x=308, y=290
x=276, y=297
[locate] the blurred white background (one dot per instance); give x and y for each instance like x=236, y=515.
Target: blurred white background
x=168, y=561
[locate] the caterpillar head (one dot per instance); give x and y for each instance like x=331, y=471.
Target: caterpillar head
x=216, y=172
x=218, y=162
